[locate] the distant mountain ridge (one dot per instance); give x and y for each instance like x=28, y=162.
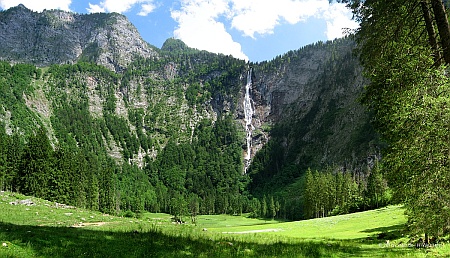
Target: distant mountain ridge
x=59, y=37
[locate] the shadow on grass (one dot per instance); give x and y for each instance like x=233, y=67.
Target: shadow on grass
x=397, y=228
x=386, y=233
x=81, y=242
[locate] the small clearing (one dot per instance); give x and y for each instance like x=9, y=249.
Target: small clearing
x=82, y=224
x=254, y=231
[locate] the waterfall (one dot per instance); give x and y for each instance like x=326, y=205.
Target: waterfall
x=248, y=114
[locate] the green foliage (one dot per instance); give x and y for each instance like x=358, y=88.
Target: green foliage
x=377, y=189
x=330, y=194
x=135, y=190
x=36, y=166
x=208, y=169
x=174, y=45
x=65, y=175
x=197, y=95
x=90, y=53
x=15, y=83
x=409, y=95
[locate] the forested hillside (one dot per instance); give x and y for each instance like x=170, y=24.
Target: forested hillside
x=164, y=131
x=145, y=139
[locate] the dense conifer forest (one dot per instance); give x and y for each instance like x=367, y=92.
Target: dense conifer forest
x=67, y=156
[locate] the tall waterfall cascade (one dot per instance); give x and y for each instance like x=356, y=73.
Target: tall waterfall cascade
x=248, y=115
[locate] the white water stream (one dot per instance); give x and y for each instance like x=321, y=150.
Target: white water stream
x=248, y=114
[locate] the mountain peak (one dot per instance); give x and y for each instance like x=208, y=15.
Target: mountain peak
x=173, y=44
x=59, y=37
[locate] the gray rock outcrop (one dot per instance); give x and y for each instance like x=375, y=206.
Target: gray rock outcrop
x=59, y=37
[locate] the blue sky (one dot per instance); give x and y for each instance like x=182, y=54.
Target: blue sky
x=254, y=30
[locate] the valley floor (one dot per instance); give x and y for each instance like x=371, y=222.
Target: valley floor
x=38, y=228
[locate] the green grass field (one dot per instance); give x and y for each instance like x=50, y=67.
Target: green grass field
x=44, y=230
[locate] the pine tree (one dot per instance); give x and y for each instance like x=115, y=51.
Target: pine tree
x=309, y=195
x=376, y=188
x=194, y=207
x=272, y=208
x=4, y=175
x=264, y=207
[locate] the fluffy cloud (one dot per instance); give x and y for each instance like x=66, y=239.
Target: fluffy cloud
x=37, y=6
x=146, y=9
x=199, y=27
x=122, y=6
x=262, y=16
x=338, y=18
x=94, y=8
x=201, y=23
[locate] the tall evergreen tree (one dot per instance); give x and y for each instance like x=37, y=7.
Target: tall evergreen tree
x=4, y=175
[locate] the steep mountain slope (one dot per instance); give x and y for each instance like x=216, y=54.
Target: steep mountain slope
x=58, y=37
x=163, y=127
x=309, y=97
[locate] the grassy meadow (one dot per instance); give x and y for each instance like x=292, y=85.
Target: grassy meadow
x=49, y=230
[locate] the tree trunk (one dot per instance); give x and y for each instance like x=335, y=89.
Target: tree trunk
x=443, y=27
x=431, y=33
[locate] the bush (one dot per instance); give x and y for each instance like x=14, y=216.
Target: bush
x=128, y=214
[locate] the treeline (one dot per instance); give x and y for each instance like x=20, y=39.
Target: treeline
x=329, y=193
x=281, y=61
x=324, y=193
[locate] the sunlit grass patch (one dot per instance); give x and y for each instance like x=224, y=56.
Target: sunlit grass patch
x=42, y=230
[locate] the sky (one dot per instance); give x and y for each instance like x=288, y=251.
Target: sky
x=254, y=30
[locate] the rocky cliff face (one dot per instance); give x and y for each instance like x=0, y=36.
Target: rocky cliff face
x=311, y=94
x=304, y=101
x=307, y=115
x=58, y=37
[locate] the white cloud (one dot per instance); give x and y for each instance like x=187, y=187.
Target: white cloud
x=37, y=6
x=93, y=8
x=201, y=22
x=262, y=16
x=122, y=6
x=146, y=9
x=198, y=27
x=338, y=18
